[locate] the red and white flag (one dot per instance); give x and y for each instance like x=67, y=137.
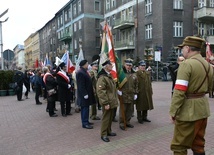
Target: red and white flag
x=69, y=66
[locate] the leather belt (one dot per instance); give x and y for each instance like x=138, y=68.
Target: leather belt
x=196, y=95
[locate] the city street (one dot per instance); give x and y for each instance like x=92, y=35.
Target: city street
x=27, y=129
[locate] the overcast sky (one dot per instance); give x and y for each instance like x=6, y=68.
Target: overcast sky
x=25, y=17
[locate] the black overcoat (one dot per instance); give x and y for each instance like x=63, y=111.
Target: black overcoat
x=84, y=87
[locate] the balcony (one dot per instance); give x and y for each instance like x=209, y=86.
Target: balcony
x=210, y=39
x=204, y=13
x=66, y=36
x=124, y=45
x=124, y=23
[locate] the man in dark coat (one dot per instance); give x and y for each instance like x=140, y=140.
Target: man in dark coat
x=64, y=88
x=85, y=93
x=19, y=80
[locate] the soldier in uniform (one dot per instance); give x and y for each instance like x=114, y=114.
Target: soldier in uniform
x=107, y=94
x=189, y=108
x=129, y=94
x=93, y=74
x=144, y=101
x=19, y=80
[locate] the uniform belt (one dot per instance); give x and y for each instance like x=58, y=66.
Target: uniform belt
x=196, y=95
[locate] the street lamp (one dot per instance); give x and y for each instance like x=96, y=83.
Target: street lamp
x=1, y=42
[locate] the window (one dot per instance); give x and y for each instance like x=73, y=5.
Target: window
x=201, y=3
x=123, y=15
x=75, y=44
x=113, y=3
x=201, y=29
x=58, y=22
x=75, y=27
x=211, y=3
x=66, y=16
x=61, y=20
x=148, y=31
x=107, y=4
x=130, y=12
x=75, y=9
x=97, y=23
x=79, y=6
x=178, y=29
x=178, y=4
x=80, y=24
x=211, y=29
x=97, y=6
x=148, y=6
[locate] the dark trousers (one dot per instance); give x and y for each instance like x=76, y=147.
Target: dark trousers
x=84, y=115
x=19, y=92
x=37, y=94
x=51, y=106
x=27, y=86
x=141, y=115
x=65, y=107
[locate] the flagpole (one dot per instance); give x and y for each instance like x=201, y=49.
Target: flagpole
x=116, y=65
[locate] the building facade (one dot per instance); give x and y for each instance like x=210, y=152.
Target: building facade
x=142, y=27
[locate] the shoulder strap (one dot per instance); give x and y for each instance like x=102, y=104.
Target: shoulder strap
x=206, y=77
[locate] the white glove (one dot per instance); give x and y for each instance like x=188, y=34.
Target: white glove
x=119, y=93
x=69, y=86
x=86, y=97
x=135, y=97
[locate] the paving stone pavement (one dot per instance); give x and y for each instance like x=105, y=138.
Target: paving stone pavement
x=27, y=129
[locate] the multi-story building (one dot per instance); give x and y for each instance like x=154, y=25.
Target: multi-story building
x=78, y=25
x=48, y=42
x=204, y=20
x=19, y=56
x=141, y=27
x=28, y=52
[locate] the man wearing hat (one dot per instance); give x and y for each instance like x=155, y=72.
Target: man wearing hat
x=129, y=94
x=93, y=74
x=85, y=93
x=64, y=88
x=107, y=95
x=189, y=108
x=144, y=101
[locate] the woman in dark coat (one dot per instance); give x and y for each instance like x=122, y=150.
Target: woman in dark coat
x=51, y=87
x=64, y=88
x=85, y=93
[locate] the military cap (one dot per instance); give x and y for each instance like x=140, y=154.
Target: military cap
x=128, y=61
x=95, y=63
x=106, y=62
x=192, y=41
x=142, y=63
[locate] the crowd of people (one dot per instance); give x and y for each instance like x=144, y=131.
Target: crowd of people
x=192, y=78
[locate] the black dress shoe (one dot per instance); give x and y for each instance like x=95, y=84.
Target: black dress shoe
x=112, y=134
x=64, y=115
x=90, y=123
x=55, y=109
x=141, y=122
x=69, y=114
x=130, y=126
x=88, y=126
x=122, y=127
x=21, y=100
x=146, y=120
x=54, y=115
x=105, y=138
x=38, y=103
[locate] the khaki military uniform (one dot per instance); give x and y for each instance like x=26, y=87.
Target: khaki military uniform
x=129, y=89
x=144, y=101
x=107, y=95
x=190, y=106
x=93, y=74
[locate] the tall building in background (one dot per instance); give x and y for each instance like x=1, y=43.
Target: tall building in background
x=141, y=27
